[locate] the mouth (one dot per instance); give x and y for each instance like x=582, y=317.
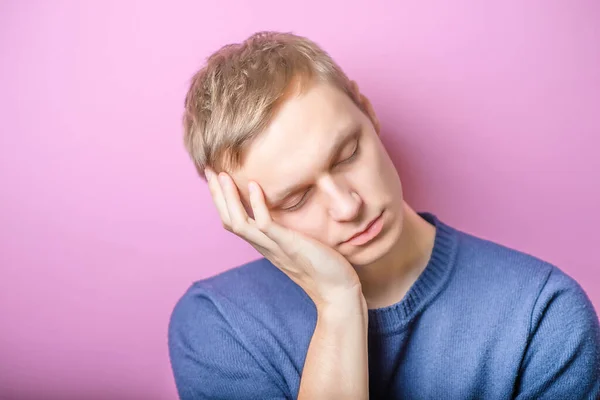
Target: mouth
x=369, y=233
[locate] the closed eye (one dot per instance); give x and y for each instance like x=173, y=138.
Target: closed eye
x=298, y=204
x=305, y=196
x=351, y=156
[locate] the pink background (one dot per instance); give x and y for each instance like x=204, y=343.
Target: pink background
x=490, y=108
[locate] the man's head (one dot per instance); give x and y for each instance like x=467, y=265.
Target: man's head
x=279, y=111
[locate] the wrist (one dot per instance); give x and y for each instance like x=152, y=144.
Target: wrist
x=342, y=303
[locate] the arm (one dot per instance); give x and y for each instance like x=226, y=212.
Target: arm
x=336, y=365
x=562, y=360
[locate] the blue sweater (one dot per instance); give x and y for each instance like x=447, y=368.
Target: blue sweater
x=481, y=322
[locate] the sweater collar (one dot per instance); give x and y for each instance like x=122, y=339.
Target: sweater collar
x=427, y=286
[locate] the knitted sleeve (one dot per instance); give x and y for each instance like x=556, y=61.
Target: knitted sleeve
x=562, y=360
x=209, y=360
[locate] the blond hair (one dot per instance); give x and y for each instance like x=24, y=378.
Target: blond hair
x=235, y=95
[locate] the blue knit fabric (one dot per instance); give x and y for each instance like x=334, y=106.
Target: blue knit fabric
x=481, y=322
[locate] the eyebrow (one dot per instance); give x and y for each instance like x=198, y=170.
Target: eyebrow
x=347, y=134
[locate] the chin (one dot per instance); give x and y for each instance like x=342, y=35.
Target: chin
x=379, y=247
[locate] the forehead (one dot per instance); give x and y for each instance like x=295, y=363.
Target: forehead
x=299, y=137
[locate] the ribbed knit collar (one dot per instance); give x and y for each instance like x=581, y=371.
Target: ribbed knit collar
x=427, y=286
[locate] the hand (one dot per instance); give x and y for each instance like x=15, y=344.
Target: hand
x=324, y=274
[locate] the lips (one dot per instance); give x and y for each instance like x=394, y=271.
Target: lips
x=363, y=230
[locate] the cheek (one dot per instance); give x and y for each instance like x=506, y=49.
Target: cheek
x=388, y=175
x=375, y=178
x=310, y=221
x=372, y=175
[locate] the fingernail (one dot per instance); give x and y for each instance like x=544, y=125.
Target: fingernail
x=251, y=187
x=222, y=179
x=208, y=173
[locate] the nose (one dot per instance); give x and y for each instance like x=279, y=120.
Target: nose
x=345, y=204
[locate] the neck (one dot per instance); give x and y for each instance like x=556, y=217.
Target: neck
x=386, y=281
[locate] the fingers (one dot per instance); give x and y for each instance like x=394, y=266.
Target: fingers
x=283, y=237
x=259, y=208
x=237, y=214
x=233, y=215
x=218, y=198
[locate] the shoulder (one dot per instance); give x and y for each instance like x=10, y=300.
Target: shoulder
x=247, y=289
x=531, y=287
x=255, y=304
x=496, y=265
x=498, y=269
x=536, y=306
x=562, y=358
x=227, y=328
x=515, y=286
x=564, y=312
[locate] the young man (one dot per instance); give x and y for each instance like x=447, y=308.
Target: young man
x=358, y=296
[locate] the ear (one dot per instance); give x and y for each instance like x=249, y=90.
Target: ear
x=366, y=106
